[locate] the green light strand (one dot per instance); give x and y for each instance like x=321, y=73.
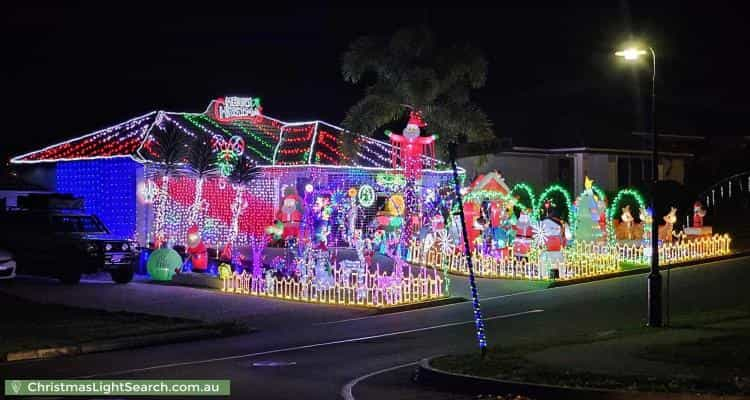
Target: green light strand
x=191, y=119
x=599, y=192
x=254, y=136
x=568, y=203
x=525, y=187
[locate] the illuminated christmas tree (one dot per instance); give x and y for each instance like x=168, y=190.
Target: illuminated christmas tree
x=590, y=213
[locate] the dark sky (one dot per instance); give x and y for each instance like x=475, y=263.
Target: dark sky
x=68, y=71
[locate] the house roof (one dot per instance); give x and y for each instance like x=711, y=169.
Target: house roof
x=491, y=181
x=634, y=143
x=268, y=141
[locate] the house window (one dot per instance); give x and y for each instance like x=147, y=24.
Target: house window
x=633, y=171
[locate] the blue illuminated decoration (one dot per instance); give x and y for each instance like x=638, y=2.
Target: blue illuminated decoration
x=108, y=187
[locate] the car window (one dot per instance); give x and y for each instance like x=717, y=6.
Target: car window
x=77, y=223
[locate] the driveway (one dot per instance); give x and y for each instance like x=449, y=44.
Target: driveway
x=209, y=304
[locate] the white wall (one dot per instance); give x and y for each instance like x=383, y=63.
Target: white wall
x=515, y=168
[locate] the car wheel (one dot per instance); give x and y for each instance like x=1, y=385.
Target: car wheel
x=123, y=274
x=71, y=277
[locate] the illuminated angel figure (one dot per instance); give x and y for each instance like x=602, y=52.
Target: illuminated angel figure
x=411, y=146
x=227, y=152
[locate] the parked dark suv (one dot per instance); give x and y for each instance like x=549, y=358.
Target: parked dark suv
x=50, y=235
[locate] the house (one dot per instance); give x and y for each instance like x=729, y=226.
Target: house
x=119, y=173
x=612, y=163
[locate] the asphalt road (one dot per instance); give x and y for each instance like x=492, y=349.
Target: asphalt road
x=316, y=358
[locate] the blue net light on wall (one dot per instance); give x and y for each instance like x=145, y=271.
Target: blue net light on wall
x=108, y=187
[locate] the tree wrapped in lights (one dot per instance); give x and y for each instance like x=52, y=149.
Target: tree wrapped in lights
x=200, y=162
x=168, y=147
x=257, y=245
x=244, y=172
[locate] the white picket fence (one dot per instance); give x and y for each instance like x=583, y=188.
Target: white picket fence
x=375, y=289
x=582, y=259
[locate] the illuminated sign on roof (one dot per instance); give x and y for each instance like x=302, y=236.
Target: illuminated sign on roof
x=231, y=108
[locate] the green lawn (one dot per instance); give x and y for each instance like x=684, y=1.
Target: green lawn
x=26, y=325
x=629, y=266
x=727, y=354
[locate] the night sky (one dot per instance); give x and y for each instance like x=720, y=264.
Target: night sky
x=69, y=71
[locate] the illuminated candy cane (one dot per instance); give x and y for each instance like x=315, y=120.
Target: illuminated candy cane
x=227, y=152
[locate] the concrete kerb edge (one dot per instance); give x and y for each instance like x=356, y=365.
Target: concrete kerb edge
x=430, y=376
x=112, y=344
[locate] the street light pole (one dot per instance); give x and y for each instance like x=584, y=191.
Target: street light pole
x=654, y=277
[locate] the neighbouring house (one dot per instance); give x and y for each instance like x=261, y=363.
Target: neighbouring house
x=12, y=187
x=610, y=162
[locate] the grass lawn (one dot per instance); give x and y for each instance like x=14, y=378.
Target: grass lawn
x=26, y=325
x=629, y=266
x=727, y=355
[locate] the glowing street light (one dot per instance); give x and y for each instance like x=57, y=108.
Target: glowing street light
x=654, y=278
x=631, y=53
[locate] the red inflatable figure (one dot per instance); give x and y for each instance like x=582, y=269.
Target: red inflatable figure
x=411, y=146
x=290, y=213
x=474, y=228
x=698, y=214
x=497, y=213
x=197, y=250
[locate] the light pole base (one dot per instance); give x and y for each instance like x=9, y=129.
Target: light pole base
x=654, y=300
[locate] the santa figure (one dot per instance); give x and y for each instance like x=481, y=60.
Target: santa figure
x=290, y=213
x=197, y=250
x=437, y=222
x=411, y=146
x=698, y=213
x=474, y=223
x=524, y=234
x=699, y=229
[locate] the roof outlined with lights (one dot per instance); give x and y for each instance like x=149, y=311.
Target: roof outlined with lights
x=267, y=141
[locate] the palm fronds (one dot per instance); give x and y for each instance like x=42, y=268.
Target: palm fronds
x=244, y=172
x=410, y=70
x=200, y=156
x=169, y=148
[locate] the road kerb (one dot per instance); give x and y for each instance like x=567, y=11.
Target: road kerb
x=114, y=344
x=460, y=383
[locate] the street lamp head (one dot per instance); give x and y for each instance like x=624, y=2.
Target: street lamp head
x=630, y=54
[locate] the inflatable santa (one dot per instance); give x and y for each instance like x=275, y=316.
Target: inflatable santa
x=698, y=229
x=411, y=146
x=524, y=234
x=197, y=250
x=290, y=213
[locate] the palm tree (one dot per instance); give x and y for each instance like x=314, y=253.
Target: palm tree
x=244, y=172
x=410, y=71
x=168, y=150
x=200, y=159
